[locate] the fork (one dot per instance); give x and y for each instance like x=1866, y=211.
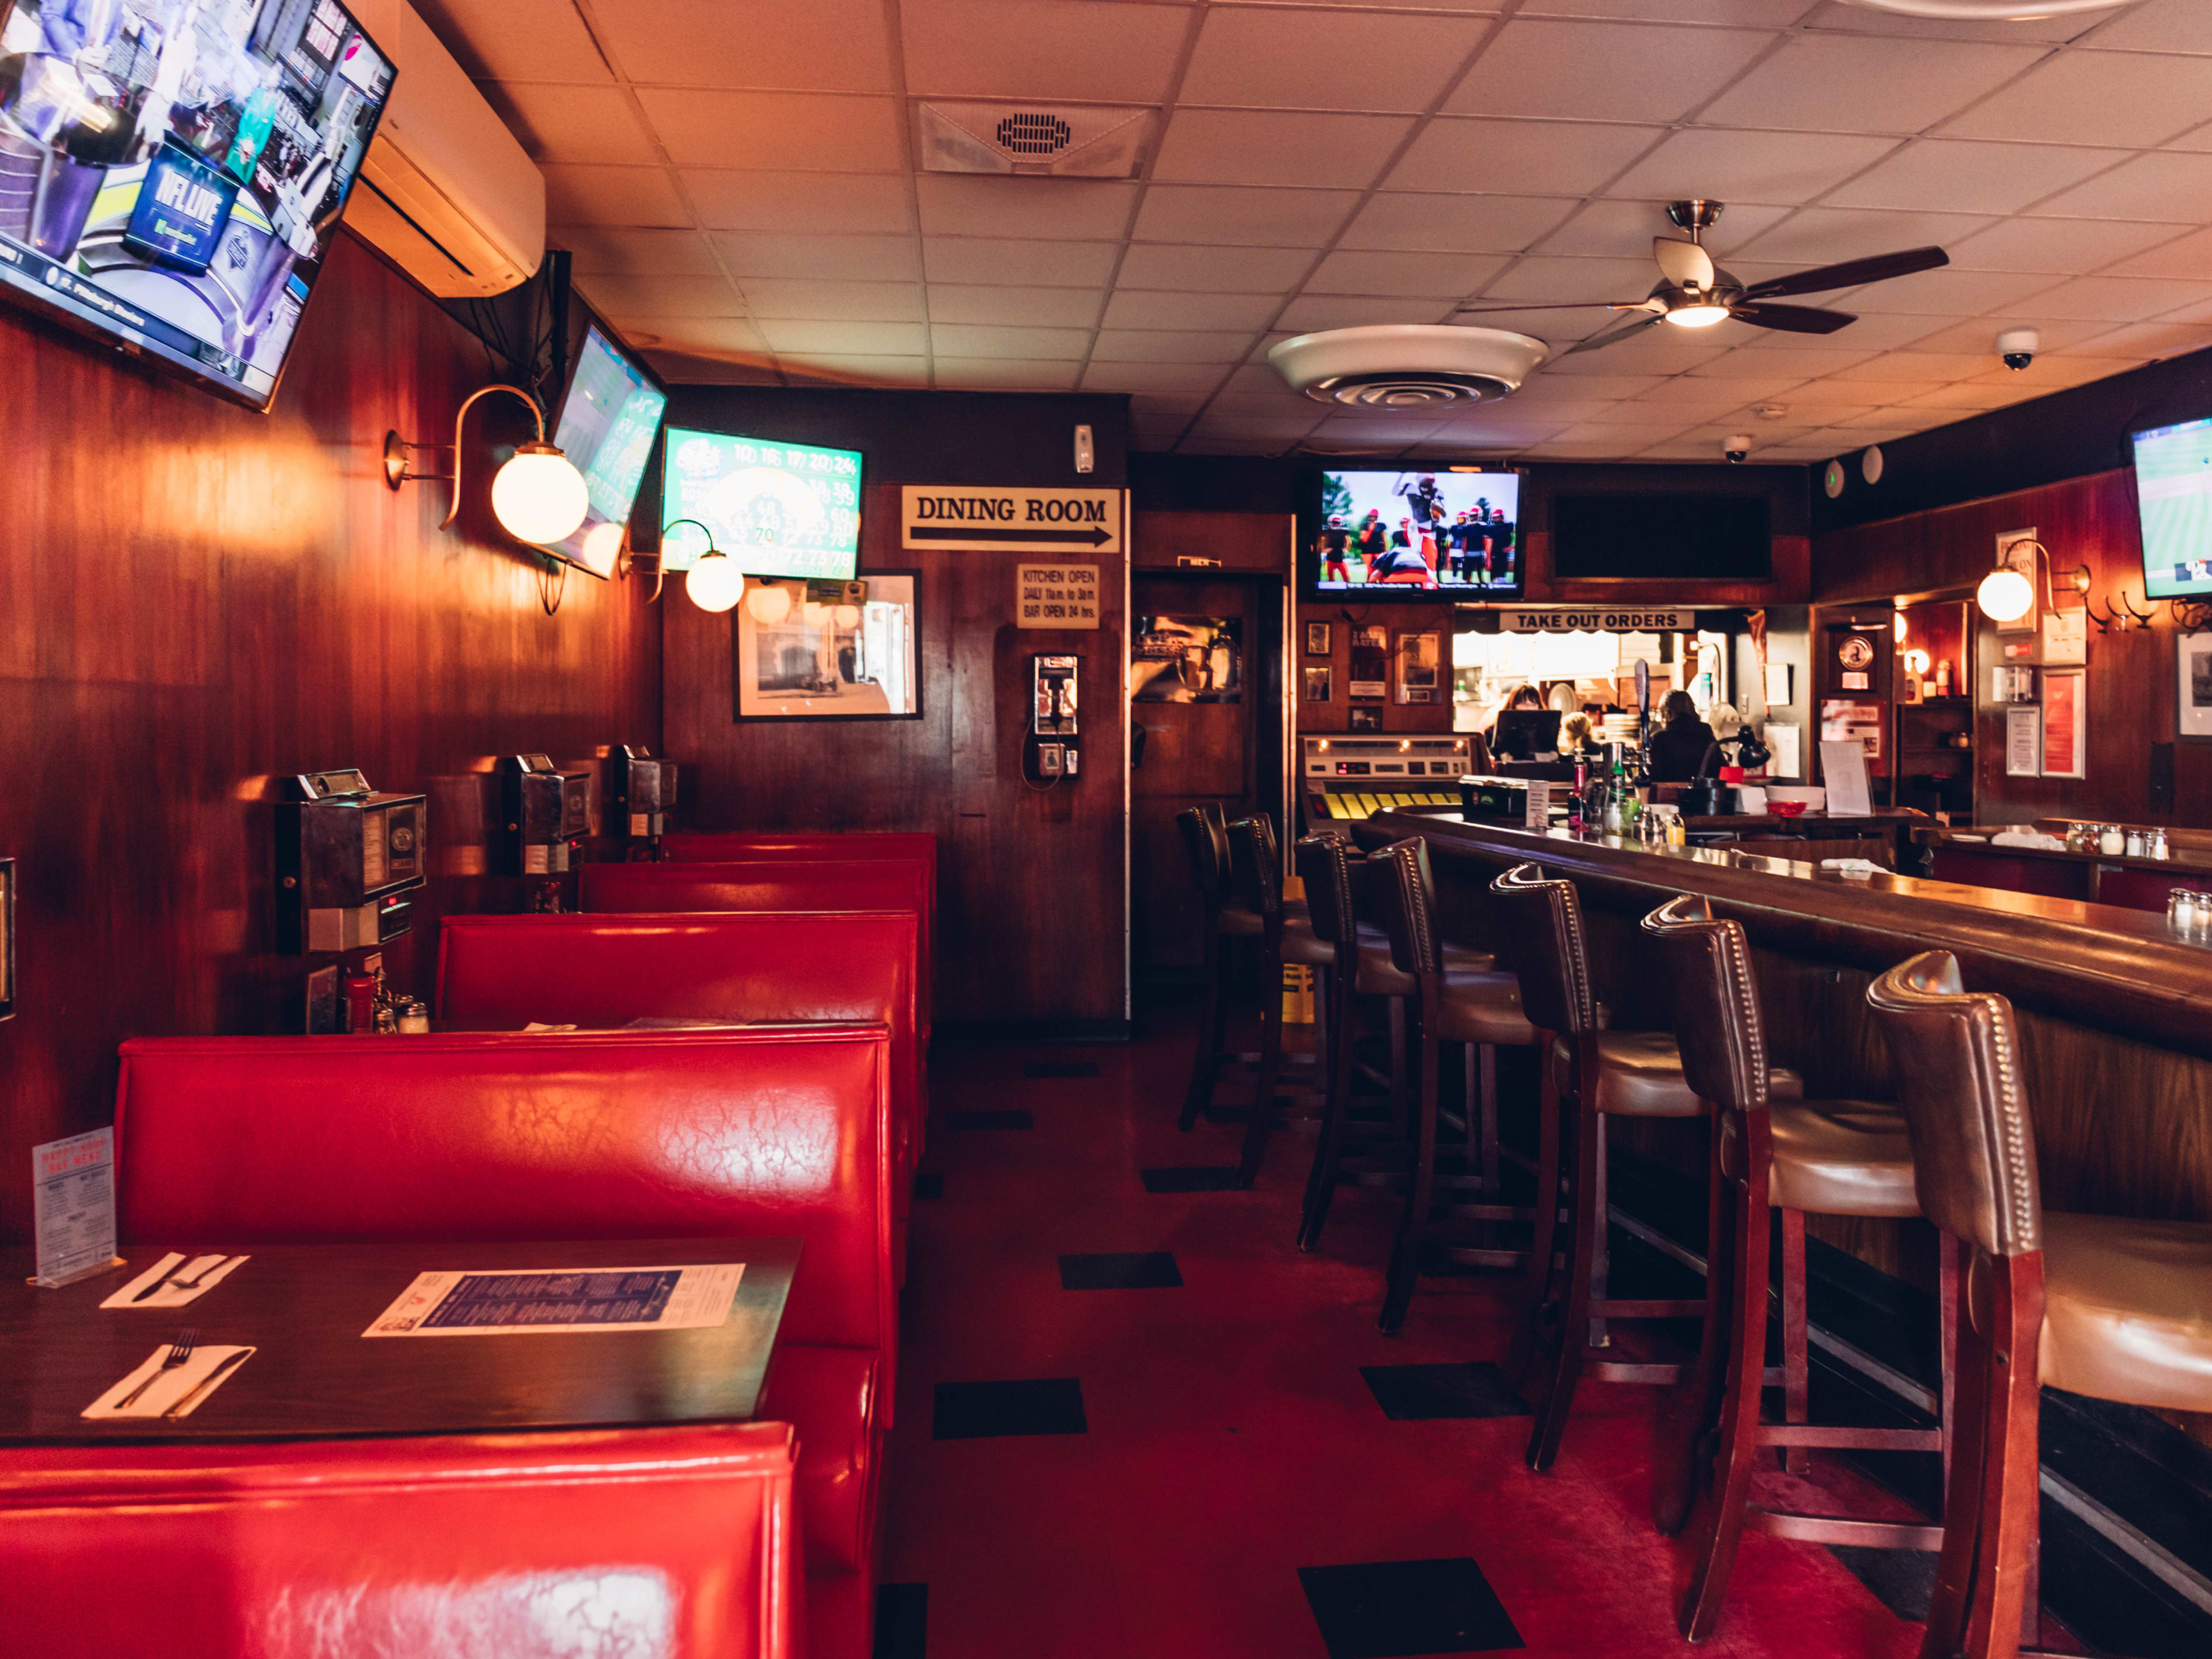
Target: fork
x=180, y=1351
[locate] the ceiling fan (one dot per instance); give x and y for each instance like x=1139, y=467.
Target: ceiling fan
x=1695, y=293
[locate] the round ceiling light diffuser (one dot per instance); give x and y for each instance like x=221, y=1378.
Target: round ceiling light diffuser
x=1407, y=365
x=1988, y=11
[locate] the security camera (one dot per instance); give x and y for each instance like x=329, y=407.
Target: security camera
x=1737, y=449
x=2017, y=346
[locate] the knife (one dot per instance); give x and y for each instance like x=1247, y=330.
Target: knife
x=229, y=1362
x=169, y=1281
x=156, y=1287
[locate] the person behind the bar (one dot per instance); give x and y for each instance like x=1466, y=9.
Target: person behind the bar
x=1577, y=735
x=1680, y=745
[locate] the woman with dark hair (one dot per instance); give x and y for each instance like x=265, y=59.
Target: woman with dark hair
x=1678, y=747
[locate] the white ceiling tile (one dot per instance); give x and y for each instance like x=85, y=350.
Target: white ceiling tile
x=1823, y=235
x=833, y=302
x=710, y=335
x=1017, y=263
x=1919, y=366
x=1030, y=308
x=856, y=369
x=1542, y=323
x=2054, y=371
x=1555, y=158
x=1888, y=420
x=1160, y=407
x=1805, y=361
x=1966, y=395
x=2127, y=99
x=1943, y=293
x=1041, y=49
x=1618, y=230
x=1005, y=374
x=2067, y=246
x=2164, y=186
x=1978, y=334
x=2189, y=256
x=663, y=296
x=685, y=368
x=1131, y=345
x=2158, y=26
x=1438, y=275
x=1781, y=167
x=1068, y=210
x=1213, y=269
x=517, y=40
x=1817, y=395
x=1268, y=147
x=1543, y=277
x=2120, y=299
x=1256, y=379
x=1149, y=308
x=1602, y=71
x=1607, y=386
x=574, y=123
x=1560, y=410
x=1312, y=312
x=1469, y=224
x=788, y=335
x=986, y=340
x=1276, y=59
x=1180, y=378
x=1756, y=13
x=635, y=251
x=2148, y=340
x=612, y=196
x=766, y=253
x=817, y=202
x=1858, y=83
x=1652, y=352
x=1356, y=433
x=829, y=45
x=793, y=131
x=1231, y=214
x=1712, y=397
x=1624, y=435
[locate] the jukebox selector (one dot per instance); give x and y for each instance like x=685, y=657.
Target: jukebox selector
x=348, y=858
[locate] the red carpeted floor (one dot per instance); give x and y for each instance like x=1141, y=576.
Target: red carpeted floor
x=1228, y=1441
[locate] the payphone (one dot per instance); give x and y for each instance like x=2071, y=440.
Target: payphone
x=546, y=812
x=347, y=860
x=1052, y=748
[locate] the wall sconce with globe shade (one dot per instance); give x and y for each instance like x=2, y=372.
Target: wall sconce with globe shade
x=538, y=496
x=714, y=583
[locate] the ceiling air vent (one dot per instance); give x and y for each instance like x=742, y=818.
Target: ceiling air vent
x=1062, y=141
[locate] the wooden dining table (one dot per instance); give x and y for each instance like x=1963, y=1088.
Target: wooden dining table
x=316, y=1376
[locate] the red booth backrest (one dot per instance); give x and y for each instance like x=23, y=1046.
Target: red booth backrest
x=607, y=970
x=675, y=1542
x=822, y=885
x=676, y=1135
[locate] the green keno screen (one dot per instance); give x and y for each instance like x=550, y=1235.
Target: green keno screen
x=777, y=510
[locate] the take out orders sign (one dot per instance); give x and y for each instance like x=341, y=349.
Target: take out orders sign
x=986, y=517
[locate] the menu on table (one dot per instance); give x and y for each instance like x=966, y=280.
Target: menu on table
x=548, y=1300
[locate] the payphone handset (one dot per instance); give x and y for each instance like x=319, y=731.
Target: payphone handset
x=347, y=858
x=1052, y=748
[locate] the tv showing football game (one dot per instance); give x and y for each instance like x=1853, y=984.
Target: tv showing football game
x=171, y=171
x=775, y=508
x=2173, y=494
x=1400, y=533
x=608, y=421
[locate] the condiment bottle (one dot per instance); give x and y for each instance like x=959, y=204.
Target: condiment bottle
x=2135, y=843
x=2112, y=842
x=1943, y=678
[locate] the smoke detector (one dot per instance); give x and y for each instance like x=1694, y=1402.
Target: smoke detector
x=1052, y=141
x=1772, y=411
x=1407, y=365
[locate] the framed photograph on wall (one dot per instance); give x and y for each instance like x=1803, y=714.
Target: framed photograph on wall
x=829, y=651
x=1317, y=683
x=1420, y=667
x=2192, y=662
x=1316, y=639
x=1365, y=719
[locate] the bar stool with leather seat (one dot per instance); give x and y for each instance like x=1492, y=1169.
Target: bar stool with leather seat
x=1590, y=1074
x=1847, y=1157
x=1256, y=886
x=1367, y=1154
x=1479, y=1008
x=2113, y=1307
x=1206, y=839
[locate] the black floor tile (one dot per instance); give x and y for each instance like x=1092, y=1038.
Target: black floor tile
x=928, y=1185
x=1013, y=1119
x=1060, y=1068
x=1902, y=1580
x=984, y=1410
x=1416, y=1394
x=901, y=1621
x=1190, y=1178
x=1130, y=1270
x=1396, y=1609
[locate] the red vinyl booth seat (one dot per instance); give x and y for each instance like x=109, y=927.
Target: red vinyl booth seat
x=608, y=969
x=664, y=1543
x=737, y=1134
x=825, y=885
x=741, y=845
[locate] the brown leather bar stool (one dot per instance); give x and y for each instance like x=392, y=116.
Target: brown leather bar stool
x=2113, y=1307
x=1370, y=1154
x=1479, y=1008
x=1590, y=1074
x=1256, y=886
x=1799, y=1157
x=1206, y=839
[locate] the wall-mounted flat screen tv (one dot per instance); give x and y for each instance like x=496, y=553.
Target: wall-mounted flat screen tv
x=171, y=171
x=2173, y=494
x=775, y=508
x=1646, y=538
x=609, y=418
x=1412, y=534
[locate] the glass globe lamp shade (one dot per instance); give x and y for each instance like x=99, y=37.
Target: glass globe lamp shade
x=2005, y=596
x=539, y=496
x=714, y=584
x=770, y=603
x=1697, y=316
x=814, y=613
x=849, y=615
x=602, y=549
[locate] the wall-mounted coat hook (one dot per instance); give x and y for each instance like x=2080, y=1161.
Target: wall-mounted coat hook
x=2142, y=617
x=2104, y=619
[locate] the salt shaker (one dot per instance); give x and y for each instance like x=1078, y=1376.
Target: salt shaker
x=2112, y=842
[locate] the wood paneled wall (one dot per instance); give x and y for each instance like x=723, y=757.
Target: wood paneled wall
x=193, y=599
x=2090, y=520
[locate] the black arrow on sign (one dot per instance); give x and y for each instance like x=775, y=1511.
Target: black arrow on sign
x=1095, y=536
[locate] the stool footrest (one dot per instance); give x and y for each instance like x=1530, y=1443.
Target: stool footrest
x=1468, y=1256
x=1850, y=1439
x=1615, y=1371
x=1840, y=1529
x=1610, y=1309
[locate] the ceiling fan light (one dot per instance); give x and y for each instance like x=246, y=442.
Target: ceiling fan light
x=1698, y=316
x=1987, y=11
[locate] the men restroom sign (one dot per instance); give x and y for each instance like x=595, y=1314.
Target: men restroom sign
x=983, y=517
